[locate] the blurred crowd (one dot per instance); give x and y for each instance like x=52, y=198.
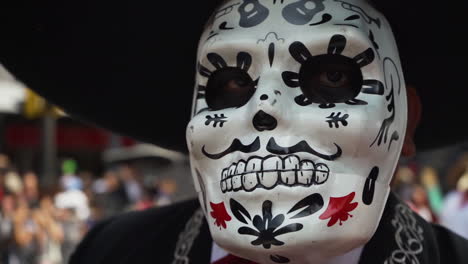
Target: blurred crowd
x=423, y=192
x=43, y=225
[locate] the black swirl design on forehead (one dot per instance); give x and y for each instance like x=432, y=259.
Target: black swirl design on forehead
x=252, y=13
x=225, y=11
x=302, y=12
x=359, y=10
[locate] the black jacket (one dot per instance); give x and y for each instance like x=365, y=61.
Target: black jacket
x=179, y=234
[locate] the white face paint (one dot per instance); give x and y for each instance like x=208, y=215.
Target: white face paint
x=299, y=120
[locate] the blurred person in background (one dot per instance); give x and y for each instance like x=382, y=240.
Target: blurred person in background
x=147, y=200
x=51, y=232
x=4, y=165
x=404, y=182
x=113, y=197
x=73, y=196
x=31, y=189
x=13, y=182
x=7, y=211
x=454, y=214
x=74, y=229
x=165, y=190
x=72, y=210
x=430, y=181
x=25, y=248
x=131, y=182
x=69, y=168
x=419, y=202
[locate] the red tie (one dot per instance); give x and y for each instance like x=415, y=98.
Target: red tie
x=231, y=259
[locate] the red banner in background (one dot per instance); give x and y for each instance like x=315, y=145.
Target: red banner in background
x=68, y=137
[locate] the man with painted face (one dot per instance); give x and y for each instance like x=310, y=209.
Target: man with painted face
x=300, y=115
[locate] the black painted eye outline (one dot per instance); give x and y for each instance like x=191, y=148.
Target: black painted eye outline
x=237, y=83
x=336, y=46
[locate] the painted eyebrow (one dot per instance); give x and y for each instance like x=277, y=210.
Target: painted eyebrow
x=350, y=25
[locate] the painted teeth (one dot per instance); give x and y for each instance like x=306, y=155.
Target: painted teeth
x=305, y=175
x=271, y=171
x=291, y=166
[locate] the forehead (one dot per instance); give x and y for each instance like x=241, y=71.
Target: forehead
x=241, y=20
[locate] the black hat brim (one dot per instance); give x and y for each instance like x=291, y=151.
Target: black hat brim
x=129, y=66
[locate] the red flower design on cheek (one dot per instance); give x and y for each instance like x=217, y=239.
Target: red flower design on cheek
x=338, y=209
x=220, y=214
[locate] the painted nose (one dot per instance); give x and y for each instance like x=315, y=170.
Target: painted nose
x=263, y=121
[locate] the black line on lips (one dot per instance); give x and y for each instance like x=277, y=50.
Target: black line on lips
x=278, y=183
x=296, y=170
x=302, y=146
x=236, y=145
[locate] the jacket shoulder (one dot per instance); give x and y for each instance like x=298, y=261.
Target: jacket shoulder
x=143, y=234
x=452, y=247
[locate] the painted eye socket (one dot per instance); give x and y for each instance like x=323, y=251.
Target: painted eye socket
x=330, y=78
x=229, y=87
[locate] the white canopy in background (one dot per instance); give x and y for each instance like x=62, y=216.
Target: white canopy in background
x=142, y=150
x=12, y=92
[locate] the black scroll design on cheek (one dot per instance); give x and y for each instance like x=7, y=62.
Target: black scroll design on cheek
x=392, y=80
x=336, y=118
x=236, y=145
x=374, y=44
x=359, y=10
x=369, y=186
x=252, y=13
x=216, y=119
x=303, y=11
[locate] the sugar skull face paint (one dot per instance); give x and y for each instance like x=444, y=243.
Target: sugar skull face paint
x=298, y=122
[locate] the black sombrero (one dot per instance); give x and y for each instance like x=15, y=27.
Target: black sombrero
x=129, y=65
